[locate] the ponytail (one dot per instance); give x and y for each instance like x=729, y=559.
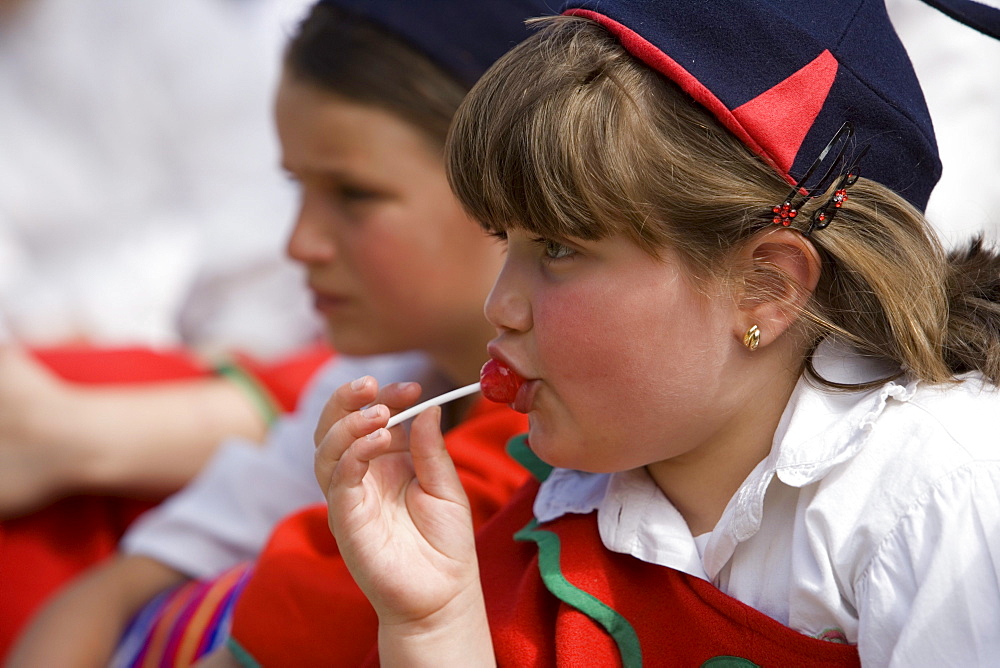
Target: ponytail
x=890, y=289
x=973, y=288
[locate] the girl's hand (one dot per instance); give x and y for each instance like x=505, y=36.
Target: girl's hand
x=402, y=522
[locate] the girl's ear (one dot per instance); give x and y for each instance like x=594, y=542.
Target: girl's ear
x=782, y=268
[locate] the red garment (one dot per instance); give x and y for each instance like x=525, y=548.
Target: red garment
x=301, y=607
x=556, y=597
x=656, y=616
x=42, y=551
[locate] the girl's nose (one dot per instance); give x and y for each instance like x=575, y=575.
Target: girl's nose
x=507, y=306
x=311, y=240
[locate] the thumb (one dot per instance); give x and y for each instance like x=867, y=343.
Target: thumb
x=432, y=464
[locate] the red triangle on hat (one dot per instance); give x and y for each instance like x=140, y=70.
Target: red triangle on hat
x=780, y=118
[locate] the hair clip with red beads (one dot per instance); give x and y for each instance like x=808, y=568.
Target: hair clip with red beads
x=808, y=188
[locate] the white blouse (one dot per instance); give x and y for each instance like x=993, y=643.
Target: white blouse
x=875, y=518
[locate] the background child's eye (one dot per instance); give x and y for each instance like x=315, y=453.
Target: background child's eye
x=354, y=194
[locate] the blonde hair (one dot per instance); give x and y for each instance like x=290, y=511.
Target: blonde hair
x=568, y=135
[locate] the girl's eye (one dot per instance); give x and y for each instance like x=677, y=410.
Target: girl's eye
x=554, y=250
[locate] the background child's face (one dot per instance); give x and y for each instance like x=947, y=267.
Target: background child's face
x=630, y=363
x=393, y=261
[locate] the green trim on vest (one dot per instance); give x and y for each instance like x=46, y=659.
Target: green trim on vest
x=517, y=448
x=548, y=567
x=729, y=662
x=242, y=656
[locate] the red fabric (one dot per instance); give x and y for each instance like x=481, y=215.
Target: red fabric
x=284, y=378
x=97, y=366
x=42, y=551
x=301, y=606
x=781, y=117
x=680, y=620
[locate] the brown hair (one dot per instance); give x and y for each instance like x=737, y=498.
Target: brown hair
x=568, y=135
x=350, y=57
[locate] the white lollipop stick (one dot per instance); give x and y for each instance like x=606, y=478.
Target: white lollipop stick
x=436, y=401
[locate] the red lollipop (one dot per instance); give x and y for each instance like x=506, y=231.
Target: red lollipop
x=499, y=383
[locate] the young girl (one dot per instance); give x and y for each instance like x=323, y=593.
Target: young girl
x=399, y=273
x=765, y=394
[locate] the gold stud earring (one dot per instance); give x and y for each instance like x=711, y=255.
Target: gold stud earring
x=752, y=338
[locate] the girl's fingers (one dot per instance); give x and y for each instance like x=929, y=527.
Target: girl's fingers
x=353, y=465
x=344, y=432
x=358, y=393
x=432, y=464
x=348, y=398
x=348, y=417
x=347, y=476
x=399, y=396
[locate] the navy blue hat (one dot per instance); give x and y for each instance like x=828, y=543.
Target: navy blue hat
x=462, y=37
x=784, y=76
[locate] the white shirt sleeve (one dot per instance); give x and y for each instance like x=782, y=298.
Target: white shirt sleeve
x=227, y=513
x=931, y=596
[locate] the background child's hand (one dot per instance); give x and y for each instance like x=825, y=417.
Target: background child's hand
x=397, y=508
x=34, y=464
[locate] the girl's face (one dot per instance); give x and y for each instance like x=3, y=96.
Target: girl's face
x=392, y=260
x=627, y=362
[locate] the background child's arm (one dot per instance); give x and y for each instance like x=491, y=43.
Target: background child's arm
x=403, y=525
x=82, y=624
x=59, y=438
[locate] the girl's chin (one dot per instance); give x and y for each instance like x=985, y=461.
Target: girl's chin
x=545, y=446
x=578, y=456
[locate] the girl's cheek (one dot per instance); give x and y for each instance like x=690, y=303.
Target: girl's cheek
x=571, y=332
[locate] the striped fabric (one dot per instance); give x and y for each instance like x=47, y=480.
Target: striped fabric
x=183, y=624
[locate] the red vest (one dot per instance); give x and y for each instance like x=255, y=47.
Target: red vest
x=556, y=596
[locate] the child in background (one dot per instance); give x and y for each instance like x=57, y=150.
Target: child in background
x=399, y=273
x=765, y=393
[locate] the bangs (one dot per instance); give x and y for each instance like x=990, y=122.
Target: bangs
x=543, y=140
